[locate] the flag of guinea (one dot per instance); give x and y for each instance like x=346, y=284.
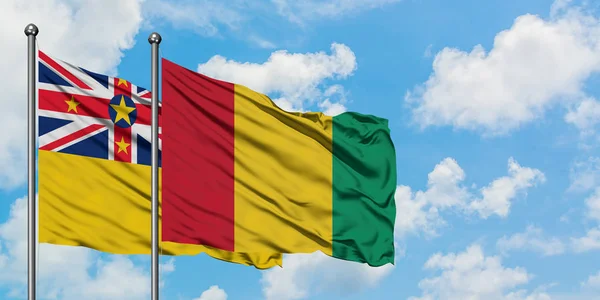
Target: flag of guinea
x=241, y=174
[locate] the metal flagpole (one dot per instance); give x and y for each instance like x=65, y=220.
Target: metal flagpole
x=154, y=41
x=31, y=32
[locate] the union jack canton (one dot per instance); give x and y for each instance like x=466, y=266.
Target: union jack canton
x=94, y=115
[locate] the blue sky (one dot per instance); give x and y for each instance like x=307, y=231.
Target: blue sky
x=492, y=108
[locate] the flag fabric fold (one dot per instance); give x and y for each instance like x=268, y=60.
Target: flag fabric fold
x=241, y=174
x=94, y=166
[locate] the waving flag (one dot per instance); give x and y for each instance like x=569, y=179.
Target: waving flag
x=80, y=114
x=94, y=165
x=241, y=174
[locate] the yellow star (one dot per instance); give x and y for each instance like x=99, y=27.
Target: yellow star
x=123, y=111
x=122, y=145
x=122, y=81
x=72, y=104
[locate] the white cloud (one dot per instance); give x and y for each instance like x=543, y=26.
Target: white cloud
x=334, y=102
x=306, y=274
x=472, y=275
x=532, y=239
x=415, y=214
x=261, y=42
x=420, y=211
x=117, y=279
x=585, y=116
x=66, y=29
x=216, y=18
x=589, y=242
x=593, y=282
x=297, y=78
x=300, y=11
x=68, y=272
x=213, y=293
x=532, y=66
x=201, y=16
x=536, y=295
x=168, y=267
x=498, y=195
x=559, y=6
x=592, y=204
x=585, y=175
x=332, y=109
x=427, y=53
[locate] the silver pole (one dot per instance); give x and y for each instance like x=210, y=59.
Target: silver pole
x=31, y=32
x=154, y=41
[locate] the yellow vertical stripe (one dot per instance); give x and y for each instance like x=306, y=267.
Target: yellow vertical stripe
x=283, y=177
x=105, y=205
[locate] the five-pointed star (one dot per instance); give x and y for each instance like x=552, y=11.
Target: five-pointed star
x=72, y=104
x=123, y=111
x=122, y=145
x=122, y=81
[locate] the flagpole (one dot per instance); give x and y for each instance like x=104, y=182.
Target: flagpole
x=154, y=39
x=31, y=32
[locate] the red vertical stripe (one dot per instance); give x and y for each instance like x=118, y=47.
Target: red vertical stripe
x=122, y=135
x=197, y=159
x=123, y=144
x=124, y=88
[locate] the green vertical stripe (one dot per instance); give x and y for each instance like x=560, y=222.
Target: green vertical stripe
x=364, y=182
